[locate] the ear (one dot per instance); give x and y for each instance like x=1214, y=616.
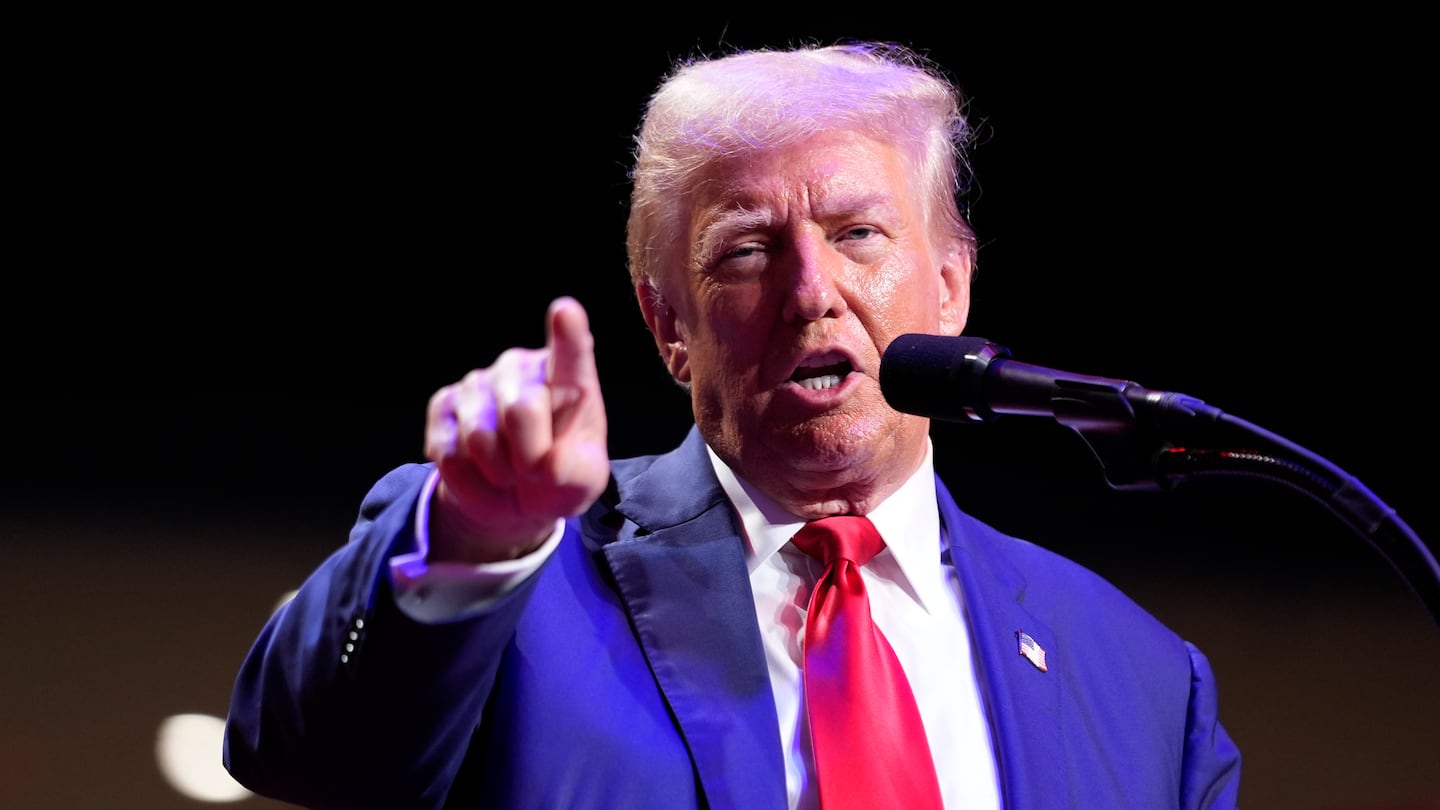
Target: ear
x=956, y=271
x=665, y=325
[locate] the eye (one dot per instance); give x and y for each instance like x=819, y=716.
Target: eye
x=742, y=251
x=858, y=233
x=744, y=260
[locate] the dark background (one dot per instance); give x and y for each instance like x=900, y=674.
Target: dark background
x=254, y=239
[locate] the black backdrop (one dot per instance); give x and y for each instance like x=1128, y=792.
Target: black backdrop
x=258, y=238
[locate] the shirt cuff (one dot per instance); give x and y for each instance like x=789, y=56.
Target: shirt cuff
x=443, y=591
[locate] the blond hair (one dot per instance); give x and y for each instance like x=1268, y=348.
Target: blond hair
x=711, y=108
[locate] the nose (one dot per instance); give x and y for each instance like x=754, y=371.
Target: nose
x=811, y=278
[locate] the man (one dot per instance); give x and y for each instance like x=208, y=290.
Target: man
x=524, y=622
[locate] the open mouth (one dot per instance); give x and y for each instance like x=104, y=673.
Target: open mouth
x=818, y=378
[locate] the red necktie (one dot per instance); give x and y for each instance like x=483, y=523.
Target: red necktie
x=869, y=743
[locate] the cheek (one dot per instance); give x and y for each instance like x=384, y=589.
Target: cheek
x=733, y=355
x=738, y=317
x=885, y=286
x=900, y=292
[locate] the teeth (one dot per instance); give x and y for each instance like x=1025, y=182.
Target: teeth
x=820, y=383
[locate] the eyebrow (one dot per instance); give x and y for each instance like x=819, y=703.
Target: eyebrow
x=738, y=216
x=735, y=219
x=739, y=219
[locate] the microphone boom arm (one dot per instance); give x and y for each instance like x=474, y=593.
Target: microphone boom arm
x=1145, y=439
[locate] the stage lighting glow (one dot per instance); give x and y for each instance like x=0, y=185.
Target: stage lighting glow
x=284, y=597
x=188, y=749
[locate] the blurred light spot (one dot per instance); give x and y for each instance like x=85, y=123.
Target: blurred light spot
x=284, y=597
x=188, y=748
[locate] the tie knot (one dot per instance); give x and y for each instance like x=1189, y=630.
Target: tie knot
x=841, y=537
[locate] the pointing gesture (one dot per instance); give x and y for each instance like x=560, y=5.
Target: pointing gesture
x=518, y=444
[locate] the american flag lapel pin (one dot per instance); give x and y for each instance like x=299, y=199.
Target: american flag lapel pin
x=1031, y=650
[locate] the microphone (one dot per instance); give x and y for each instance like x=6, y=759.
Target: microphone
x=1133, y=432
x=973, y=379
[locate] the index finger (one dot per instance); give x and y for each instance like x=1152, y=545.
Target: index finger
x=571, y=346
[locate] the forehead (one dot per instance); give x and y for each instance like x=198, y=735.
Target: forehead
x=822, y=172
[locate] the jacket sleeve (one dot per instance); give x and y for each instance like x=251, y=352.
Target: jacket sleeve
x=343, y=700
x=1210, y=776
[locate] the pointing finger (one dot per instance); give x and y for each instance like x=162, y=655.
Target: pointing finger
x=571, y=346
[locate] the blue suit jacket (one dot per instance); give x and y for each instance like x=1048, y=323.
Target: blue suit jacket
x=628, y=673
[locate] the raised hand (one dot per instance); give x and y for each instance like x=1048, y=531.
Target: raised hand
x=518, y=444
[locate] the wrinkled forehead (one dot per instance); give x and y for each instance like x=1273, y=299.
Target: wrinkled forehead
x=819, y=174
x=831, y=181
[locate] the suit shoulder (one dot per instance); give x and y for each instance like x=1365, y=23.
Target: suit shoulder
x=1057, y=585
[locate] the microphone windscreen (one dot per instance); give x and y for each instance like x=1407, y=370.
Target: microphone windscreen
x=938, y=376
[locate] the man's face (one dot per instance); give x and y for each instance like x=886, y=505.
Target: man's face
x=801, y=265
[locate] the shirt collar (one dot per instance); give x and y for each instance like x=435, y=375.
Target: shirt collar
x=909, y=520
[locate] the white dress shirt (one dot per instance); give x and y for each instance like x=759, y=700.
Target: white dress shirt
x=914, y=598
x=915, y=601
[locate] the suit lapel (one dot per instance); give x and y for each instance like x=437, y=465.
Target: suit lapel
x=686, y=587
x=1021, y=699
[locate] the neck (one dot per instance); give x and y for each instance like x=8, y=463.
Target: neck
x=798, y=494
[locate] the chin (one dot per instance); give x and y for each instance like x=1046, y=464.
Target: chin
x=835, y=442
